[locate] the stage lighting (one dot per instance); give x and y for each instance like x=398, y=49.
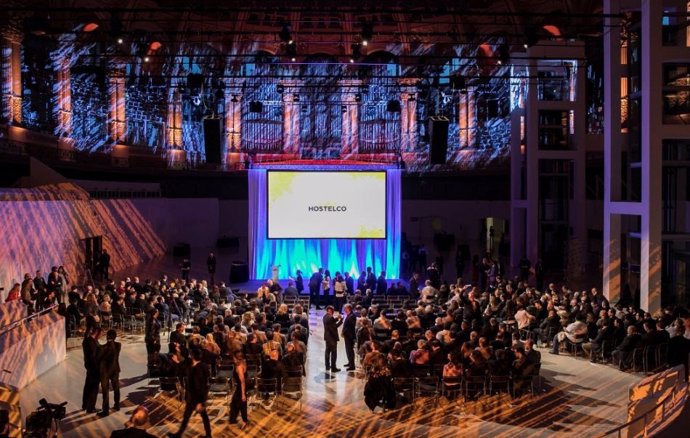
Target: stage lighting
x=196, y=100
x=90, y=27
x=120, y=41
x=146, y=59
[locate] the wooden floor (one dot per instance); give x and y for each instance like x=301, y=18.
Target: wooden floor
x=580, y=399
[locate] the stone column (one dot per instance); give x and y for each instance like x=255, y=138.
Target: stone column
x=11, y=90
x=408, y=116
x=350, y=123
x=117, y=118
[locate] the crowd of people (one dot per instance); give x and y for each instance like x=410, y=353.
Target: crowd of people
x=459, y=330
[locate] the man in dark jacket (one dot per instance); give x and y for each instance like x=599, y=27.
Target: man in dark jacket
x=350, y=336
x=196, y=394
x=381, y=285
x=330, y=335
x=90, y=347
x=623, y=352
x=314, y=286
x=135, y=427
x=109, y=362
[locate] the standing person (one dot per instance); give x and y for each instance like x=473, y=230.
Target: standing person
x=539, y=275
x=350, y=336
x=299, y=282
x=275, y=273
x=326, y=287
x=238, y=405
x=211, y=266
x=196, y=394
x=371, y=279
x=186, y=268
x=381, y=285
x=40, y=286
x=27, y=291
x=55, y=284
x=90, y=347
x=314, y=285
x=339, y=289
x=109, y=361
x=349, y=283
x=330, y=335
x=105, y=264
x=152, y=336
x=414, y=286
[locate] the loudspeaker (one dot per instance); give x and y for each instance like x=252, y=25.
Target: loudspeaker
x=212, y=141
x=256, y=106
x=182, y=250
x=438, y=139
x=239, y=272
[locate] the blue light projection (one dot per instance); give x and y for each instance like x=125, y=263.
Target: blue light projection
x=308, y=255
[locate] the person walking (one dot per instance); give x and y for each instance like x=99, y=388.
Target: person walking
x=238, y=404
x=196, y=394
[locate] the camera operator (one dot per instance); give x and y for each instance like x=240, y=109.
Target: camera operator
x=91, y=348
x=109, y=358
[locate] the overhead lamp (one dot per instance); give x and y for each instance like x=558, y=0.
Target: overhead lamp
x=120, y=40
x=90, y=27
x=146, y=59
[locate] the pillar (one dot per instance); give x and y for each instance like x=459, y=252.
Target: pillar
x=408, y=116
x=291, y=117
x=350, y=123
x=11, y=90
x=117, y=118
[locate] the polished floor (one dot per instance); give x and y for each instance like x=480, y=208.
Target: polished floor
x=580, y=399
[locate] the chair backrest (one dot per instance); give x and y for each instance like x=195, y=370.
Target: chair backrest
x=218, y=384
x=452, y=381
x=402, y=383
x=168, y=383
x=267, y=385
x=292, y=384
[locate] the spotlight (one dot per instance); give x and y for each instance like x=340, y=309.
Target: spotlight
x=146, y=59
x=293, y=59
x=90, y=27
x=196, y=100
x=120, y=41
x=351, y=60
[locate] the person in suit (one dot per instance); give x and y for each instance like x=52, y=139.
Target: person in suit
x=371, y=279
x=109, y=362
x=135, y=426
x=314, y=285
x=40, y=286
x=381, y=285
x=623, y=352
x=330, y=335
x=90, y=347
x=350, y=336
x=104, y=264
x=299, y=282
x=211, y=266
x=196, y=393
x=414, y=285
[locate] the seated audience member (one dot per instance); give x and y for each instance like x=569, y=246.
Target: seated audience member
x=136, y=426
x=575, y=332
x=420, y=356
x=623, y=352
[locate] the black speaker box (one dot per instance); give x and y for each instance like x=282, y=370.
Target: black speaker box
x=438, y=139
x=212, y=143
x=182, y=250
x=255, y=106
x=239, y=272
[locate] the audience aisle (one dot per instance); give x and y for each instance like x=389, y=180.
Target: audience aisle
x=581, y=399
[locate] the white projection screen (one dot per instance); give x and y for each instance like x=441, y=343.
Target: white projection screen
x=326, y=205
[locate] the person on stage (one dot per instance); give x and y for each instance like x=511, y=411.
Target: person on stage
x=371, y=279
x=326, y=288
x=330, y=335
x=314, y=285
x=381, y=284
x=211, y=266
x=109, y=358
x=339, y=289
x=349, y=283
x=299, y=282
x=350, y=336
x=90, y=346
x=196, y=394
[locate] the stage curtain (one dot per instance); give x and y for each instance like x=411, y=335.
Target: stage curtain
x=307, y=255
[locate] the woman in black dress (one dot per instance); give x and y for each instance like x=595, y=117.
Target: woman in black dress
x=238, y=404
